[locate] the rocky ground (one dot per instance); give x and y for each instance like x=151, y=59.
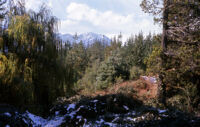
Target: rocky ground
x=129, y=104
x=114, y=110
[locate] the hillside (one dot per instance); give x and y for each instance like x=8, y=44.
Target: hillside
x=117, y=106
x=143, y=89
x=52, y=80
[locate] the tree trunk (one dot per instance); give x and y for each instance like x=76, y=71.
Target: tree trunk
x=165, y=26
x=164, y=47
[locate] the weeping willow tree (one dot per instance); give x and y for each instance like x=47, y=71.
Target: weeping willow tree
x=32, y=63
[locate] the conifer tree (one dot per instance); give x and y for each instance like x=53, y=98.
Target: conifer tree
x=181, y=21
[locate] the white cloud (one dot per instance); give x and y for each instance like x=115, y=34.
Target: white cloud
x=50, y=4
x=106, y=22
x=66, y=24
x=80, y=17
x=33, y=4
x=82, y=12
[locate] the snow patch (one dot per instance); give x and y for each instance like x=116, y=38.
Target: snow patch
x=95, y=101
x=111, y=124
x=72, y=114
x=115, y=119
x=57, y=121
x=102, y=122
x=57, y=113
x=126, y=107
x=71, y=106
x=129, y=118
x=161, y=111
x=80, y=108
x=7, y=114
x=86, y=38
x=39, y=121
x=79, y=117
x=152, y=80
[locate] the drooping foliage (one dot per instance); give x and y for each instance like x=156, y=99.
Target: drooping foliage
x=31, y=70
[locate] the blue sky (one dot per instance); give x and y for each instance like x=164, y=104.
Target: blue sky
x=108, y=17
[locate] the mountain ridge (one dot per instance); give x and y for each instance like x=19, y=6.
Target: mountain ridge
x=87, y=38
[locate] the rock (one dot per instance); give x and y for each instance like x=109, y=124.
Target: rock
x=109, y=111
x=14, y=120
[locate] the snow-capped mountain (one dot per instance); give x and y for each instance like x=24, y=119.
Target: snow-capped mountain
x=86, y=38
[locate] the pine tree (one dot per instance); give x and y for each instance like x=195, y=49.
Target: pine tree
x=180, y=34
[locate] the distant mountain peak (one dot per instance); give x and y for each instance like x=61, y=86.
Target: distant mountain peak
x=86, y=38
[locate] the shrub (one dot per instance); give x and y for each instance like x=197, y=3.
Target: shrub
x=181, y=72
x=118, y=80
x=153, y=61
x=126, y=90
x=135, y=72
x=179, y=69
x=141, y=84
x=112, y=68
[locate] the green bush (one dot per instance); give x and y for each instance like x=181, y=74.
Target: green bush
x=135, y=73
x=111, y=69
x=118, y=80
x=177, y=101
x=88, y=82
x=181, y=71
x=153, y=61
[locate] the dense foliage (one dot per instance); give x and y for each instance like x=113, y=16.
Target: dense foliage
x=178, y=59
x=119, y=62
x=36, y=67
x=31, y=71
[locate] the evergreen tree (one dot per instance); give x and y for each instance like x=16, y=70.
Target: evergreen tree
x=180, y=34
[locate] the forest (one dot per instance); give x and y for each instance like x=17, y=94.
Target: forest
x=39, y=71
